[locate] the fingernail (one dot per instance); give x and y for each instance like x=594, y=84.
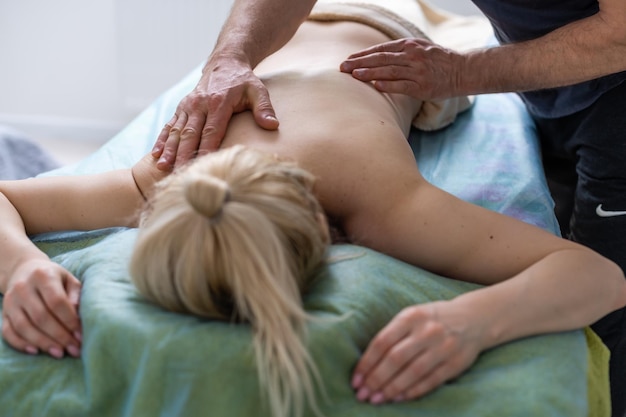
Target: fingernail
x=399, y=399
x=358, y=72
x=31, y=350
x=73, y=350
x=55, y=352
x=357, y=380
x=363, y=394
x=78, y=336
x=377, y=398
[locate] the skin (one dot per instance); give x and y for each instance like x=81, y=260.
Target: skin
x=368, y=182
x=583, y=50
x=228, y=84
x=580, y=51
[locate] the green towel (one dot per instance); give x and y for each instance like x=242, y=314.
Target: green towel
x=139, y=360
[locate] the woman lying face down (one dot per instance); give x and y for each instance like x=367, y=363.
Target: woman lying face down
x=236, y=234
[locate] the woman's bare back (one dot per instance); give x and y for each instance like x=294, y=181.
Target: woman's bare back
x=353, y=139
x=342, y=130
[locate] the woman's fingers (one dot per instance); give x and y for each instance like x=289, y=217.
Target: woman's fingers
x=13, y=339
x=40, y=310
x=413, y=355
x=23, y=333
x=384, y=380
x=60, y=299
x=437, y=364
x=407, y=338
x=72, y=288
x=371, y=366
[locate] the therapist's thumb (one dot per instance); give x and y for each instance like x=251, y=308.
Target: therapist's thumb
x=263, y=110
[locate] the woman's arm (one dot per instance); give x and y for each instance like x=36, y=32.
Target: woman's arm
x=85, y=202
x=40, y=298
x=47, y=204
x=536, y=283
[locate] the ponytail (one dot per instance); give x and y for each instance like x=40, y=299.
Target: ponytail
x=266, y=294
x=235, y=236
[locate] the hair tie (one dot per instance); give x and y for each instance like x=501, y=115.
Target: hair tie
x=207, y=194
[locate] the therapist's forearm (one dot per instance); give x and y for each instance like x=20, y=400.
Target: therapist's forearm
x=581, y=51
x=257, y=28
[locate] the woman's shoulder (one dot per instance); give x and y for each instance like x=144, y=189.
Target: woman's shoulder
x=146, y=174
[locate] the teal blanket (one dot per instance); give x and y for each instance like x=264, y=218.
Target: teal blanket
x=139, y=360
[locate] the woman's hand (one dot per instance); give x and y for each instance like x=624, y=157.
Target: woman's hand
x=415, y=67
x=199, y=123
x=420, y=349
x=40, y=309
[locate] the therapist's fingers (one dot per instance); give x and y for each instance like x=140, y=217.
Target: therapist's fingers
x=172, y=142
x=414, y=67
x=262, y=108
x=159, y=145
x=254, y=96
x=190, y=137
x=393, y=72
x=220, y=112
x=391, y=46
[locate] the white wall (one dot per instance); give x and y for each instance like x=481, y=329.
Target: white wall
x=72, y=68
x=76, y=69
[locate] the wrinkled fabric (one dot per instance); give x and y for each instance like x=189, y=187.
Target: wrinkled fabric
x=139, y=360
x=20, y=157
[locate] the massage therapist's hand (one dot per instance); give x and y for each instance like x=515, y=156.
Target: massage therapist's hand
x=40, y=309
x=415, y=67
x=227, y=86
x=420, y=349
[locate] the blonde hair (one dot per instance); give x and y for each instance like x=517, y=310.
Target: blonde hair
x=234, y=236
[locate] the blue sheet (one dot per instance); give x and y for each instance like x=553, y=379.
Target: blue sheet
x=139, y=360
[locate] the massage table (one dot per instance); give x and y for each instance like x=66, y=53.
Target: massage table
x=140, y=360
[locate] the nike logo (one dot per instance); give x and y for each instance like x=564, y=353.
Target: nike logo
x=606, y=213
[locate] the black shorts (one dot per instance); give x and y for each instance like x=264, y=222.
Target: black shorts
x=584, y=158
